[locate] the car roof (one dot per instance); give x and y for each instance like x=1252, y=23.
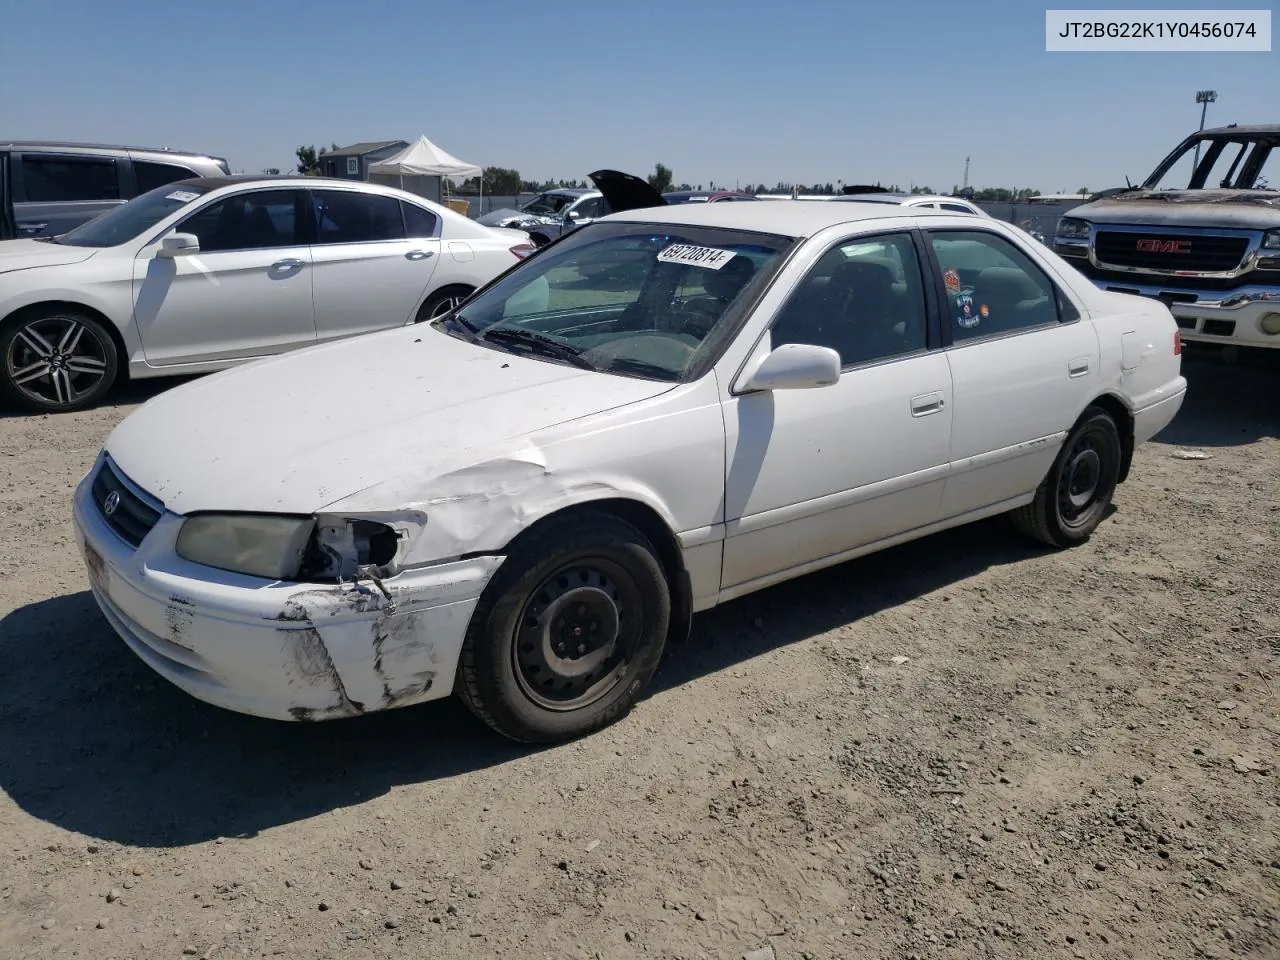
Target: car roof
x=793, y=218
x=75, y=145
x=215, y=183
x=1250, y=129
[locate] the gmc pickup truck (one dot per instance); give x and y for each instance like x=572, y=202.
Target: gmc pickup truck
x=1201, y=234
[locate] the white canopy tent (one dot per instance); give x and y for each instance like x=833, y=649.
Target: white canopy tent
x=423, y=158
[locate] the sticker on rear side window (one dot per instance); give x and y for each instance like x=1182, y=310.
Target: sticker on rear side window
x=186, y=196
x=709, y=257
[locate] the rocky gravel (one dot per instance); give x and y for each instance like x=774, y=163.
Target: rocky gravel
x=964, y=747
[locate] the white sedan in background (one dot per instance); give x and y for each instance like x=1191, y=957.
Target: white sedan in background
x=203, y=274
x=667, y=409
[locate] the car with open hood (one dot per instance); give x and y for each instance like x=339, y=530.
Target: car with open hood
x=553, y=213
x=1201, y=234
x=524, y=500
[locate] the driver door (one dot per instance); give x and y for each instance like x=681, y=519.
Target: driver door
x=815, y=473
x=245, y=293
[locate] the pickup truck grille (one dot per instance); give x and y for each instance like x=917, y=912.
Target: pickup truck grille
x=1169, y=252
x=128, y=515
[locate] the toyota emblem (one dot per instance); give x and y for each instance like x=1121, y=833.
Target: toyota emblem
x=111, y=502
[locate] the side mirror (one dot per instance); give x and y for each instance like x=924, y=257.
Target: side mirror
x=179, y=245
x=794, y=366
x=573, y=215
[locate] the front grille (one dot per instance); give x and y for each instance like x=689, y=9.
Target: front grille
x=131, y=517
x=1168, y=252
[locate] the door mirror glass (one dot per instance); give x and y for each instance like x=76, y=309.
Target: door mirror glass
x=179, y=245
x=795, y=366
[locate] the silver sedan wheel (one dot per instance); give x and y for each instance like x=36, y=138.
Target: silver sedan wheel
x=444, y=306
x=56, y=360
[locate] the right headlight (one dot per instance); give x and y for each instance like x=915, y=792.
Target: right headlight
x=284, y=547
x=1072, y=228
x=259, y=545
x=1271, y=240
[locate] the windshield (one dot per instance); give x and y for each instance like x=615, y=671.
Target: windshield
x=548, y=204
x=1221, y=164
x=635, y=299
x=127, y=221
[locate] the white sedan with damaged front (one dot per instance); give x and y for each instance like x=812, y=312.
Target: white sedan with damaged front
x=523, y=501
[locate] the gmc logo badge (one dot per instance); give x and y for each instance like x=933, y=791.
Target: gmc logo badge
x=1151, y=245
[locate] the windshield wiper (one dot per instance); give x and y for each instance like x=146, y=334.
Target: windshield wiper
x=642, y=367
x=458, y=321
x=538, y=342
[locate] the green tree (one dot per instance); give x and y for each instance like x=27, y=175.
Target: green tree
x=271, y=171
x=307, y=161
x=660, y=179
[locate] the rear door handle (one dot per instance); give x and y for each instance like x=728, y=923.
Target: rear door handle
x=417, y=254
x=926, y=404
x=1078, y=367
x=291, y=263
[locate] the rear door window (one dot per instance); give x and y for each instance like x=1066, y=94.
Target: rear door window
x=55, y=179
x=345, y=216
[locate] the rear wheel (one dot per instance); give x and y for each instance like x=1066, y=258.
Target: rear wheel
x=56, y=360
x=1075, y=495
x=569, y=632
x=441, y=302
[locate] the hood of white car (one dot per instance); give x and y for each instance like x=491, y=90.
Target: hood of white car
x=298, y=432
x=26, y=254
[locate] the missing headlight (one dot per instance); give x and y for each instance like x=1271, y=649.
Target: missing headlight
x=341, y=547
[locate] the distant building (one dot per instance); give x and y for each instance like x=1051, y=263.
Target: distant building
x=352, y=163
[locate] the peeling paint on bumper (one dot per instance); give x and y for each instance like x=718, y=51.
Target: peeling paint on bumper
x=282, y=651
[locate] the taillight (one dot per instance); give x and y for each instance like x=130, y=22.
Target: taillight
x=1177, y=343
x=522, y=250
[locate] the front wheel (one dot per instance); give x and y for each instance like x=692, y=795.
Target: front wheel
x=1075, y=495
x=56, y=360
x=568, y=633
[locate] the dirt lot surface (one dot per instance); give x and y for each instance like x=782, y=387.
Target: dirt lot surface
x=964, y=747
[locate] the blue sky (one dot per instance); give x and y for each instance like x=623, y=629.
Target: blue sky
x=807, y=91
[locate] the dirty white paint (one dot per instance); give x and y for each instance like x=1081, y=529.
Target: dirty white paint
x=466, y=446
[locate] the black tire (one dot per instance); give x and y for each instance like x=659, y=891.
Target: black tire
x=441, y=302
x=578, y=576
x=56, y=359
x=1073, y=498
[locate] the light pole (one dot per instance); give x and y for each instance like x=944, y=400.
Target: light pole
x=1204, y=98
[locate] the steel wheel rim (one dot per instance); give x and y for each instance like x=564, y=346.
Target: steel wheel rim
x=56, y=360
x=443, y=307
x=1081, y=481
x=576, y=634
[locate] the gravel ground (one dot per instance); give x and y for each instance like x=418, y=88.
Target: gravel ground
x=963, y=747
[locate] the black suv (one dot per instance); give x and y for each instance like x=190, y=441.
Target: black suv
x=47, y=188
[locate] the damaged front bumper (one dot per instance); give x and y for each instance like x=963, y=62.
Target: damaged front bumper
x=286, y=651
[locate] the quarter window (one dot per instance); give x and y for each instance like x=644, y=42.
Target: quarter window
x=151, y=175
x=864, y=299
x=345, y=216
x=68, y=179
x=418, y=223
x=250, y=221
x=992, y=287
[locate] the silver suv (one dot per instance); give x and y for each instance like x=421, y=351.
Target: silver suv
x=53, y=187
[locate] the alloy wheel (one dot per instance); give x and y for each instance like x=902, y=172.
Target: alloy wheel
x=56, y=360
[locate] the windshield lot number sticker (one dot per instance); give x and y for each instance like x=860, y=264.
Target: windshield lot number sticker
x=186, y=196
x=708, y=257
